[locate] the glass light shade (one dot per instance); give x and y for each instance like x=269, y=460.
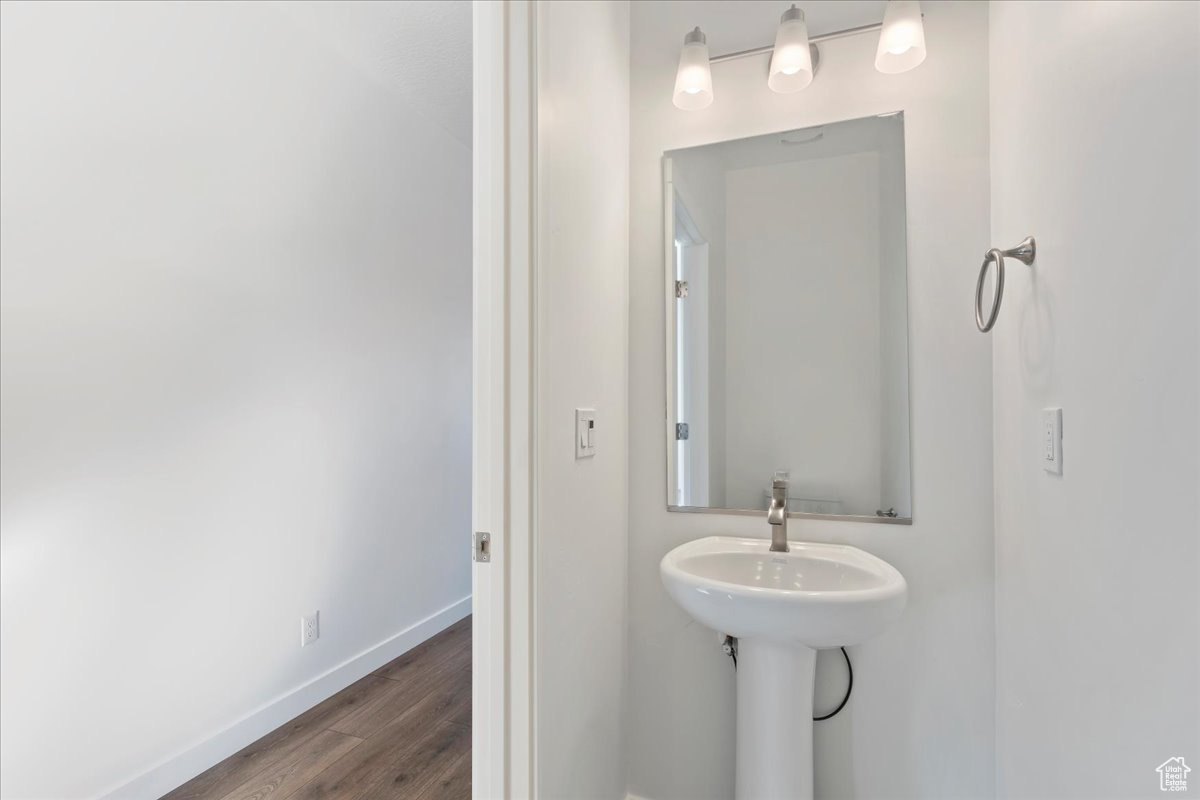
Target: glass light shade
x=693, y=81
x=791, y=61
x=902, y=39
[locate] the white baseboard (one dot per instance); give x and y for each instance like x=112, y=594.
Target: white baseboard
x=190, y=762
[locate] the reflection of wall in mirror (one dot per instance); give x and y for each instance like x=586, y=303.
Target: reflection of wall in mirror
x=802, y=299
x=895, y=481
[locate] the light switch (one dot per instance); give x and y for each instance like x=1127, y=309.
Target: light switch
x=1051, y=440
x=585, y=432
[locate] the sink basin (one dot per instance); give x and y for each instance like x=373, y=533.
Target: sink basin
x=820, y=595
x=781, y=607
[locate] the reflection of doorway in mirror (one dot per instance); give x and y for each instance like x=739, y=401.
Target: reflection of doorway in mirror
x=691, y=360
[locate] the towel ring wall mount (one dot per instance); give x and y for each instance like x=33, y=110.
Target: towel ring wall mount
x=1025, y=253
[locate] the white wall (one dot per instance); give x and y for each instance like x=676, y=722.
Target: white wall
x=920, y=724
x=1095, y=124
x=235, y=331
x=582, y=362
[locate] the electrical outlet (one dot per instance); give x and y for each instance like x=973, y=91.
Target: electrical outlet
x=310, y=629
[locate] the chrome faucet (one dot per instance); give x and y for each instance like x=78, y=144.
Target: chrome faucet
x=777, y=515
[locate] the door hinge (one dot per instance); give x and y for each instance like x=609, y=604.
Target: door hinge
x=482, y=546
x=681, y=289
x=681, y=431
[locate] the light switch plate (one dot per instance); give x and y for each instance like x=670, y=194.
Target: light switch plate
x=1050, y=445
x=585, y=432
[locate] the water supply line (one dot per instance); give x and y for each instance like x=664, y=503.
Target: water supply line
x=730, y=648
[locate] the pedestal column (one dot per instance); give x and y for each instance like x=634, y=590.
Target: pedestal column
x=774, y=720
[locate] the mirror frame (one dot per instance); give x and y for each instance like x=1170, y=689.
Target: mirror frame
x=668, y=195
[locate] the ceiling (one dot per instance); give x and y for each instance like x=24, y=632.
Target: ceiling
x=420, y=49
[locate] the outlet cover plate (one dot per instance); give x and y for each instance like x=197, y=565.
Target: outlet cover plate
x=310, y=629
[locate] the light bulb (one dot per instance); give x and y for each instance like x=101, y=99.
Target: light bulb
x=791, y=60
x=902, y=38
x=693, y=81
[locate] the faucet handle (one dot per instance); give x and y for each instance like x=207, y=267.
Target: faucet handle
x=779, y=487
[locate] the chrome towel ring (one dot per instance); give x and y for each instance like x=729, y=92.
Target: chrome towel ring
x=1024, y=252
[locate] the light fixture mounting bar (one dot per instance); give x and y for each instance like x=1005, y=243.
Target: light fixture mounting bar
x=824, y=37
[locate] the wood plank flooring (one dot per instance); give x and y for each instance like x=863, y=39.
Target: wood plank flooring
x=401, y=733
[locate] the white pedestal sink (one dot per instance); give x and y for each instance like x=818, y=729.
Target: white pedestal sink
x=782, y=607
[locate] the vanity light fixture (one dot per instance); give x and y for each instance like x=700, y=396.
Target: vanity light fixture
x=791, y=62
x=902, y=40
x=794, y=55
x=693, y=80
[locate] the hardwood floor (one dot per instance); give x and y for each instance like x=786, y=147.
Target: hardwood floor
x=401, y=733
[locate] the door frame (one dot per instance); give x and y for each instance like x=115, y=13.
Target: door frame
x=503, y=400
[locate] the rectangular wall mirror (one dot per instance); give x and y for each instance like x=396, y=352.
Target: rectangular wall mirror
x=787, y=322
